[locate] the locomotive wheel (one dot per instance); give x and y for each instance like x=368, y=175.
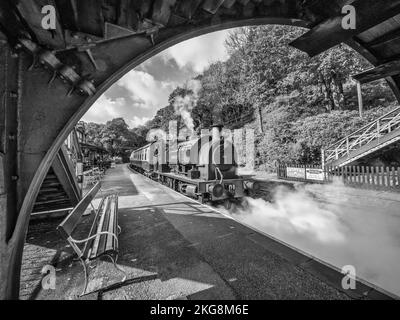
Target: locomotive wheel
x=200, y=199
x=227, y=204
x=244, y=203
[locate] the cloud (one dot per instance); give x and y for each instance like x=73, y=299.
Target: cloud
x=139, y=94
x=137, y=121
x=145, y=91
x=198, y=53
x=136, y=98
x=104, y=109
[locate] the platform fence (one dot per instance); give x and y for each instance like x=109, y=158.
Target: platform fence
x=365, y=176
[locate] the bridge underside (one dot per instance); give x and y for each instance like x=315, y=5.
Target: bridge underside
x=50, y=78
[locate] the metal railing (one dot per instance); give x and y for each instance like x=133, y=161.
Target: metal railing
x=372, y=132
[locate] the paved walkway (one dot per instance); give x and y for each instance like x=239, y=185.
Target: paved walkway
x=183, y=250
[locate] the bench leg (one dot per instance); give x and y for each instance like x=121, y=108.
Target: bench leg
x=86, y=276
x=114, y=261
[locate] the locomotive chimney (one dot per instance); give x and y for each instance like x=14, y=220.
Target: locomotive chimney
x=216, y=132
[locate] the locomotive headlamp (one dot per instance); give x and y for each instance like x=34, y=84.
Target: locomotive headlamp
x=252, y=185
x=216, y=190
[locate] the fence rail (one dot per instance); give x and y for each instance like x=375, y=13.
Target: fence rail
x=385, y=177
x=373, y=131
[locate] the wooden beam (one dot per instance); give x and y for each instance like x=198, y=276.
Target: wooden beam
x=386, y=38
x=187, y=8
x=68, y=14
x=382, y=71
x=31, y=11
x=212, y=6
x=90, y=17
x=329, y=33
x=128, y=16
x=10, y=24
x=394, y=84
x=228, y=3
x=162, y=11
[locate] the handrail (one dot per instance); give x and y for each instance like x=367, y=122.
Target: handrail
x=70, y=171
x=368, y=133
x=397, y=110
x=77, y=145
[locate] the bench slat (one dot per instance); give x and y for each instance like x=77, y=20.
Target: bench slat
x=68, y=225
x=93, y=230
x=103, y=239
x=99, y=226
x=114, y=224
x=116, y=221
x=110, y=239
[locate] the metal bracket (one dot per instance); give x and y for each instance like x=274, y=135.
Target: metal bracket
x=48, y=60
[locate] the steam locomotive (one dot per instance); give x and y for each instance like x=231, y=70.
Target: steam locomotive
x=203, y=168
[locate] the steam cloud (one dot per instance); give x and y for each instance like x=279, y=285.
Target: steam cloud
x=184, y=105
x=336, y=224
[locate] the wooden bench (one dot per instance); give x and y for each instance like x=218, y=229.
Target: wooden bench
x=102, y=239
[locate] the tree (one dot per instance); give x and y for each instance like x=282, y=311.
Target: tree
x=299, y=104
x=114, y=136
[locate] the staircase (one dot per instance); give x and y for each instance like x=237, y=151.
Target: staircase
x=60, y=191
x=373, y=137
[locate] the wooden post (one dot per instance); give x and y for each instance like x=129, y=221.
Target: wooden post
x=373, y=175
x=363, y=175
x=378, y=175
x=360, y=99
x=393, y=177
x=398, y=176
x=387, y=177
x=358, y=170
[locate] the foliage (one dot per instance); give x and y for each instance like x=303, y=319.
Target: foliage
x=114, y=136
x=297, y=104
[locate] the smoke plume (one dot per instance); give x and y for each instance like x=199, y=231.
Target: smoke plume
x=184, y=105
x=337, y=224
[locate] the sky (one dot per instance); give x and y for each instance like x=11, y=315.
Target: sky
x=140, y=93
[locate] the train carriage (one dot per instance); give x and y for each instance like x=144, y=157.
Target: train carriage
x=139, y=159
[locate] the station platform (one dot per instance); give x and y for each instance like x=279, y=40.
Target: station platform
x=175, y=248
